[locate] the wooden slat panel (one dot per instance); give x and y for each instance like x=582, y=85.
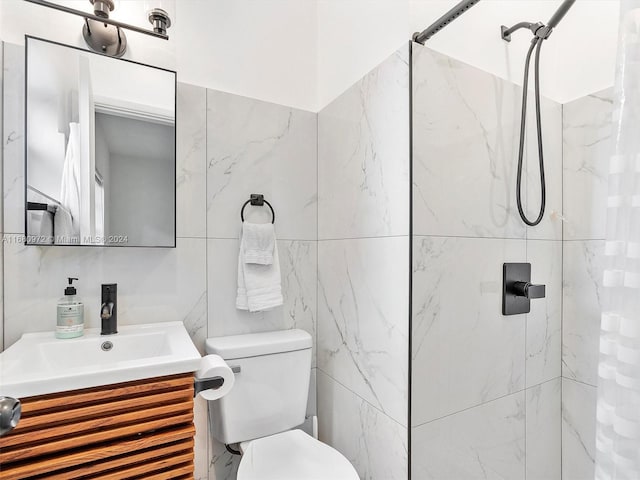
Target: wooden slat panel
x=75, y=441
x=96, y=454
x=147, y=469
x=115, y=407
x=118, y=462
x=110, y=421
x=53, y=402
x=102, y=409
x=83, y=433
x=173, y=474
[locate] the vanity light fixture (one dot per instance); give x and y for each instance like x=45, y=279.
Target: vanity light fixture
x=105, y=35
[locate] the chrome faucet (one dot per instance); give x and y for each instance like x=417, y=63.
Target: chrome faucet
x=108, y=310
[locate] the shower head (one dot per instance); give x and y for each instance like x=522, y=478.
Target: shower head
x=560, y=13
x=443, y=21
x=540, y=30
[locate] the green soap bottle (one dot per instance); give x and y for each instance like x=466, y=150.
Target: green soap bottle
x=70, y=322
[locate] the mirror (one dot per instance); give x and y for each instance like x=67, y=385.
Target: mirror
x=100, y=149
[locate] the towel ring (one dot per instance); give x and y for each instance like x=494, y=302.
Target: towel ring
x=257, y=199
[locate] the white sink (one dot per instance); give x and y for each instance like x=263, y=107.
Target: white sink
x=39, y=363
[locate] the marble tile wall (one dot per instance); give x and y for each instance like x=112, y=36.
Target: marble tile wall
x=1, y=196
x=485, y=387
x=588, y=136
x=228, y=147
x=363, y=271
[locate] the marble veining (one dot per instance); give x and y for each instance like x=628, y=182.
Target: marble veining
x=260, y=147
x=588, y=145
x=13, y=138
x=363, y=319
x=466, y=127
x=465, y=352
x=154, y=285
x=582, y=292
x=459, y=446
x=544, y=322
x=375, y=444
x=191, y=162
x=578, y=430
x=543, y=431
x=363, y=156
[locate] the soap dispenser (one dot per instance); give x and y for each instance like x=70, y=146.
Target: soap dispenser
x=70, y=322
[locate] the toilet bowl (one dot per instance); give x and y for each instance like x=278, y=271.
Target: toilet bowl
x=292, y=455
x=267, y=402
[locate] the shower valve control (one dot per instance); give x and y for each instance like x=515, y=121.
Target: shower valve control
x=517, y=289
x=529, y=290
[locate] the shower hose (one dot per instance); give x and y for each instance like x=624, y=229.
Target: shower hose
x=537, y=44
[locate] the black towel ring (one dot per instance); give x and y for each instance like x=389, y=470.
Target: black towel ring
x=257, y=199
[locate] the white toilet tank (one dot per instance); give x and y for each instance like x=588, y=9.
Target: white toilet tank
x=270, y=390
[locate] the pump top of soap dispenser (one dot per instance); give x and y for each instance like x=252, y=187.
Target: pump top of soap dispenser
x=70, y=290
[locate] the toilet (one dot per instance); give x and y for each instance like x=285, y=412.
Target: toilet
x=267, y=401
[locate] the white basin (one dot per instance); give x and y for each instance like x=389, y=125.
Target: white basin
x=39, y=363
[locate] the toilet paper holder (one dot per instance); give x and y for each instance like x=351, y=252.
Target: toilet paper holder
x=211, y=383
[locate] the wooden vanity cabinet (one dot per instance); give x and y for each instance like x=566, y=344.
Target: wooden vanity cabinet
x=134, y=430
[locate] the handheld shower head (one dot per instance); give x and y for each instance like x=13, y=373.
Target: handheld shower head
x=540, y=33
x=560, y=13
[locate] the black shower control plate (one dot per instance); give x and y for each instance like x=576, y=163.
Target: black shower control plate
x=513, y=304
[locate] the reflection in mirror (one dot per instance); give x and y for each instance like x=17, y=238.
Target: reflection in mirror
x=101, y=166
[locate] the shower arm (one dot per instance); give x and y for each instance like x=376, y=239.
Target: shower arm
x=539, y=29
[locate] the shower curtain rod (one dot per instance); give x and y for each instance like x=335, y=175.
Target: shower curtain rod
x=443, y=21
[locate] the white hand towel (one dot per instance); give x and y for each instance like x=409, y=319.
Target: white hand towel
x=65, y=232
x=259, y=286
x=258, y=243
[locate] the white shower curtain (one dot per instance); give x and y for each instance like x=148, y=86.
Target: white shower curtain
x=618, y=412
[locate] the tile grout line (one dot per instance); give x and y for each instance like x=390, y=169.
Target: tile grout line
x=361, y=398
x=522, y=390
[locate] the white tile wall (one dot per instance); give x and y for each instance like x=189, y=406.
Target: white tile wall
x=363, y=271
x=471, y=365
x=587, y=137
x=544, y=322
x=465, y=352
x=543, y=431
x=191, y=146
x=582, y=292
x=375, y=444
x=363, y=167
x=484, y=442
x=588, y=145
x=2, y=136
x=154, y=285
x=260, y=147
x=13, y=139
x=363, y=311
x=466, y=130
x=578, y=430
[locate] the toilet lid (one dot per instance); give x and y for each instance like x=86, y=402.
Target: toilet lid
x=293, y=455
